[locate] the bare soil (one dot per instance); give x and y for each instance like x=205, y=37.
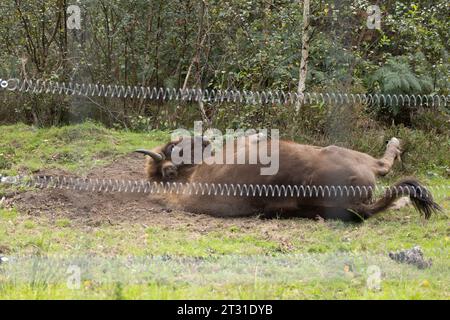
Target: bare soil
x=96, y=208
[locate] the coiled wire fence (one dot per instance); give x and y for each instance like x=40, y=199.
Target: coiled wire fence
x=216, y=189
x=40, y=86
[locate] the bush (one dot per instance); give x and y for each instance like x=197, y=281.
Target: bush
x=397, y=77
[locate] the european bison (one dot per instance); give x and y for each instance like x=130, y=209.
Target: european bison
x=329, y=168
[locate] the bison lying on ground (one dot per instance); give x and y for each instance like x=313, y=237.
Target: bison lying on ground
x=298, y=165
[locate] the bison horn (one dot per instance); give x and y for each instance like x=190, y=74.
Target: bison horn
x=156, y=156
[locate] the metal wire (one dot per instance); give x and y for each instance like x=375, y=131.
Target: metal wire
x=217, y=96
x=213, y=189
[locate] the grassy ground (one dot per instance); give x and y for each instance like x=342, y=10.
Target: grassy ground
x=292, y=258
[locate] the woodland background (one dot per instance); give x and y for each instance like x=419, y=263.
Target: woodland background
x=235, y=44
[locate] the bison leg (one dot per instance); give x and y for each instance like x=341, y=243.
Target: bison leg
x=393, y=151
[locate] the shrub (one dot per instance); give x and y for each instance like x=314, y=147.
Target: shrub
x=397, y=77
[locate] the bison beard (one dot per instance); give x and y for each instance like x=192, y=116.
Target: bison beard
x=299, y=165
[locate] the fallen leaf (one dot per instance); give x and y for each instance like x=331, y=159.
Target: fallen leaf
x=425, y=283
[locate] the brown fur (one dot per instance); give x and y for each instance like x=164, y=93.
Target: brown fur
x=299, y=165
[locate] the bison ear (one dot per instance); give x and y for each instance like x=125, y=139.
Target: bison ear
x=155, y=156
x=180, y=138
x=206, y=141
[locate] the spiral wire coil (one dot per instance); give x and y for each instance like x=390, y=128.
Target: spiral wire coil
x=213, y=189
x=216, y=96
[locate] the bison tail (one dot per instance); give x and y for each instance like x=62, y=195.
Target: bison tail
x=419, y=195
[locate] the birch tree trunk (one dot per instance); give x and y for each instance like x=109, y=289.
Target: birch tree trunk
x=305, y=54
x=201, y=37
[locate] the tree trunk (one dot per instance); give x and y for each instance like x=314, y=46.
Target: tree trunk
x=305, y=54
x=201, y=37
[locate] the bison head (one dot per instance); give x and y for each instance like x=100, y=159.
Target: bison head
x=161, y=164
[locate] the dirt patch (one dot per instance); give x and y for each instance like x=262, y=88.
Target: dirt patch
x=4, y=249
x=96, y=208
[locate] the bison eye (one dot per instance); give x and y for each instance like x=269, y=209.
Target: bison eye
x=169, y=149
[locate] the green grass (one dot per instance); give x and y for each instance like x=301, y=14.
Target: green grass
x=78, y=148
x=280, y=259
x=413, y=290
